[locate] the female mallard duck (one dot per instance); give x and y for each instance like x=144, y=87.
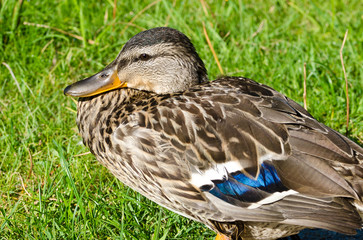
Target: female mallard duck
x=233, y=154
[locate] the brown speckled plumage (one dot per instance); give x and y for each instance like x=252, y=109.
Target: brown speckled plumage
x=158, y=142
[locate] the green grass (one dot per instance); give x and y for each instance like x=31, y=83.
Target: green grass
x=48, y=192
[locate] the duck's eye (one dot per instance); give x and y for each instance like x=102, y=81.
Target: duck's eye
x=144, y=57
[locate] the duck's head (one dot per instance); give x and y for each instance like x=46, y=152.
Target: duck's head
x=161, y=60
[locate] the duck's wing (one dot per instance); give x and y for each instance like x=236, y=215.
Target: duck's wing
x=240, y=126
x=307, y=158
x=322, y=161
x=235, y=150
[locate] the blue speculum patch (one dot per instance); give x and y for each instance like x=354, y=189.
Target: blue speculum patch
x=241, y=187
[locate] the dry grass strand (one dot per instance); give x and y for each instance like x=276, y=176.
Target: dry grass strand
x=82, y=154
x=18, y=86
x=259, y=29
x=304, y=95
x=346, y=80
x=58, y=30
x=138, y=15
x=212, y=49
x=31, y=164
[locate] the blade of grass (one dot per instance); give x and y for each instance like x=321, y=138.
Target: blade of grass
x=16, y=15
x=82, y=22
x=65, y=167
x=157, y=228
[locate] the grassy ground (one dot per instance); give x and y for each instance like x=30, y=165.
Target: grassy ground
x=49, y=190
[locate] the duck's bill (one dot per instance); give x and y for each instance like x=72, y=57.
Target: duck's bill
x=103, y=81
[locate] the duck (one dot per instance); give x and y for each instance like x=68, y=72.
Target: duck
x=232, y=153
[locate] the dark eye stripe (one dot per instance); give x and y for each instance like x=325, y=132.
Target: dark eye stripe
x=123, y=63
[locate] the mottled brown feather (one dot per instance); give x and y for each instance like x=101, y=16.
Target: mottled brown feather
x=153, y=146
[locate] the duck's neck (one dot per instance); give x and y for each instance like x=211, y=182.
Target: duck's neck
x=99, y=115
